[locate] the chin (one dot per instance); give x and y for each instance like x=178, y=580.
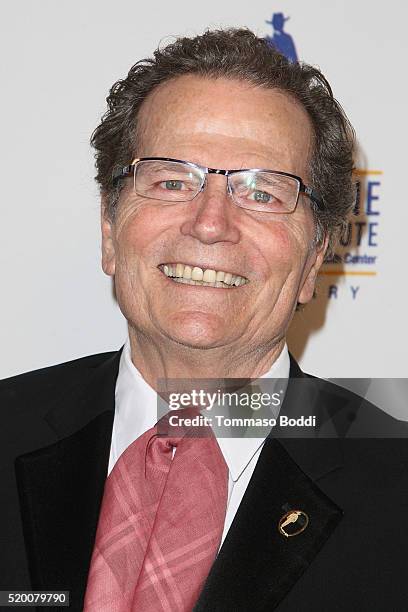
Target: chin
x=196, y=329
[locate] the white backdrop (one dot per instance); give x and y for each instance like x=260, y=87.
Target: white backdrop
x=59, y=60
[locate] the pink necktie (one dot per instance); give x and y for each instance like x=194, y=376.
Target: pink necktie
x=160, y=525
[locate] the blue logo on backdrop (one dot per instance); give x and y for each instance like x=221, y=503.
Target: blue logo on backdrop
x=280, y=40
x=358, y=252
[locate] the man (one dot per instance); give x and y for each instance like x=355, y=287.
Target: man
x=225, y=174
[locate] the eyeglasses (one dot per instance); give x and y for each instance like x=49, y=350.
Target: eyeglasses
x=174, y=180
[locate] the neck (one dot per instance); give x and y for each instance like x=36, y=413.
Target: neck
x=170, y=360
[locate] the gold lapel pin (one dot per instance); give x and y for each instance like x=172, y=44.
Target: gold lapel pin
x=293, y=523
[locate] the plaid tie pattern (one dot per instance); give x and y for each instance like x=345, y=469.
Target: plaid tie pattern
x=160, y=525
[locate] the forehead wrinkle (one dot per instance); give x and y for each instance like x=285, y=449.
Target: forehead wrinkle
x=202, y=150
x=172, y=120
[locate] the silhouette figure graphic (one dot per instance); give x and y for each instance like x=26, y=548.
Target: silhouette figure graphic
x=280, y=40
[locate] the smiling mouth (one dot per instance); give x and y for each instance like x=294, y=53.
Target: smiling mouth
x=188, y=275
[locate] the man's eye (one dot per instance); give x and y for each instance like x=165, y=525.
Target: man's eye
x=173, y=185
x=262, y=197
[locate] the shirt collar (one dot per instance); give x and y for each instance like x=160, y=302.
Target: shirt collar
x=238, y=452
x=135, y=406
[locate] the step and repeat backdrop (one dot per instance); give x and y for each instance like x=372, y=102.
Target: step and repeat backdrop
x=59, y=60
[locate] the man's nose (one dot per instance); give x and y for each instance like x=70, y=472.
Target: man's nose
x=212, y=216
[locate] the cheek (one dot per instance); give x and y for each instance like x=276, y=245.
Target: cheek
x=134, y=238
x=280, y=251
x=138, y=234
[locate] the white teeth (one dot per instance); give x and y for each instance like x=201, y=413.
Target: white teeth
x=179, y=270
x=209, y=276
x=186, y=275
x=197, y=274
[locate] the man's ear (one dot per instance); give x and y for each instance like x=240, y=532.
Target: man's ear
x=307, y=291
x=108, y=245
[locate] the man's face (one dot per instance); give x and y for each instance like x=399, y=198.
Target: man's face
x=223, y=124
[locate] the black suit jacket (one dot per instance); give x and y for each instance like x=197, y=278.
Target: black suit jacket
x=56, y=433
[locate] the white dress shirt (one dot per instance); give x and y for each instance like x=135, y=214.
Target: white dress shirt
x=136, y=412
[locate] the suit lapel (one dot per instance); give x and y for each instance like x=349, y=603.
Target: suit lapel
x=257, y=566
x=61, y=486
